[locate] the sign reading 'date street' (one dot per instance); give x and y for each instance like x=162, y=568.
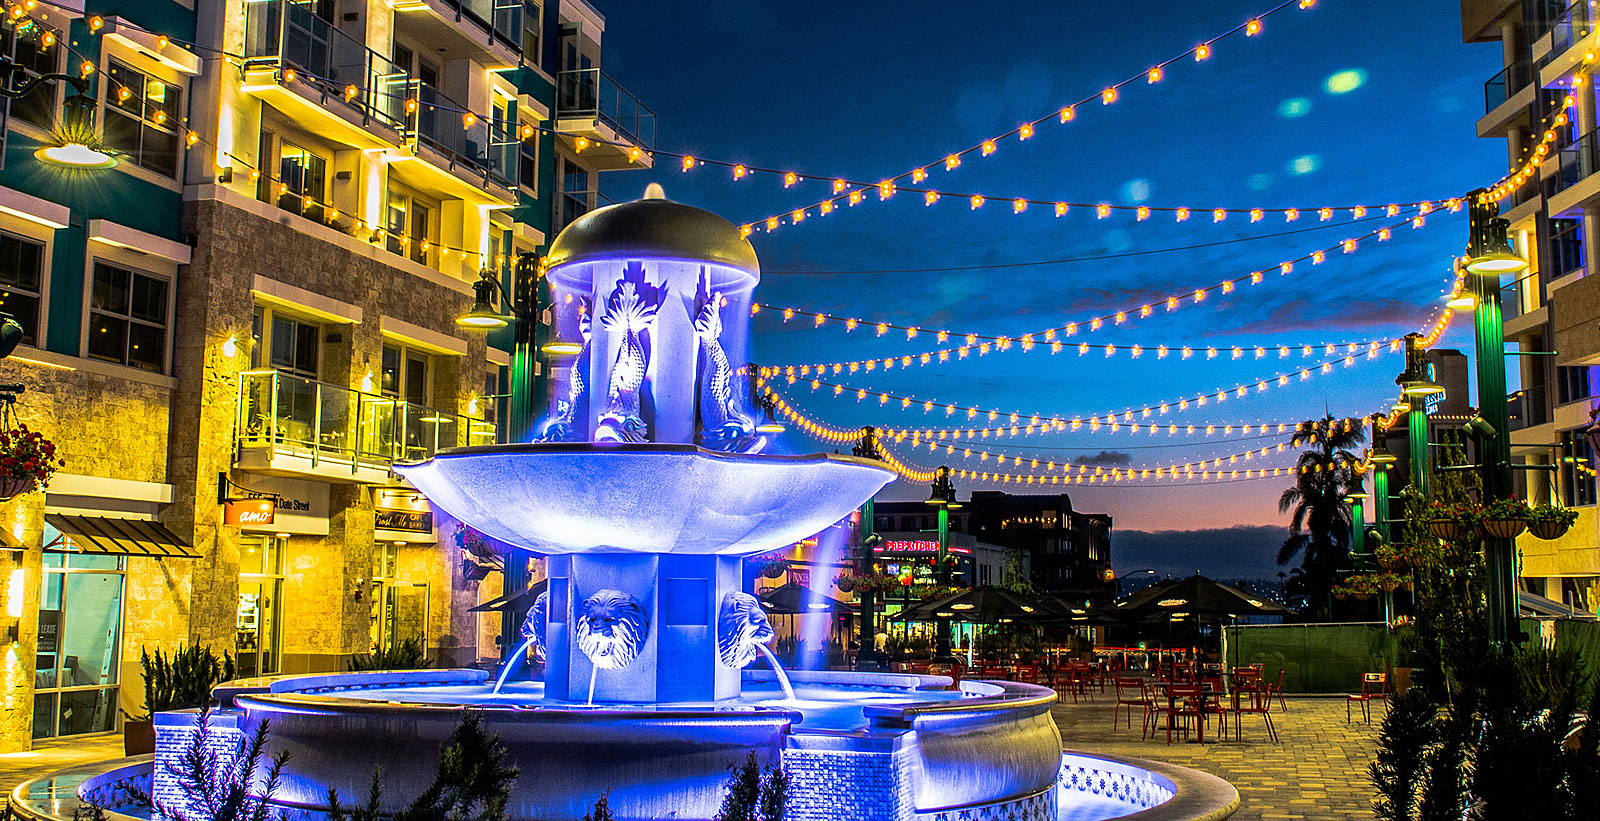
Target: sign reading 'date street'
x=249, y=512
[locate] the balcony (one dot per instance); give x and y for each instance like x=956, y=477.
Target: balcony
x=1506, y=84
x=1573, y=183
x=476, y=154
x=621, y=130
x=292, y=426
x=306, y=68
x=1574, y=24
x=492, y=36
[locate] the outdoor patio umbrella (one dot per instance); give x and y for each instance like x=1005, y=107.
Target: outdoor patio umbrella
x=792, y=599
x=1195, y=598
x=982, y=605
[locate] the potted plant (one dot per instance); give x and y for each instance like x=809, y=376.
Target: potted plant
x=1342, y=593
x=772, y=567
x=1451, y=523
x=1550, y=521
x=181, y=681
x=1389, y=557
x=1386, y=582
x=845, y=582
x=1503, y=518
x=1360, y=586
x=27, y=461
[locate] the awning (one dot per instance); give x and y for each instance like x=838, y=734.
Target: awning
x=1536, y=605
x=117, y=537
x=521, y=601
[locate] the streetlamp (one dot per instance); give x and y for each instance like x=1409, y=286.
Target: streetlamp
x=73, y=142
x=522, y=301
x=1380, y=458
x=1415, y=388
x=1118, y=580
x=943, y=496
x=1490, y=255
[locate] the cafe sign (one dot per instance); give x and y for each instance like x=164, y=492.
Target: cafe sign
x=407, y=521
x=248, y=512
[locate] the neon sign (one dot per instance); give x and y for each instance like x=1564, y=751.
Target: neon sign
x=918, y=546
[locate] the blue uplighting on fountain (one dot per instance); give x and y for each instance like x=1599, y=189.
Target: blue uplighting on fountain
x=647, y=487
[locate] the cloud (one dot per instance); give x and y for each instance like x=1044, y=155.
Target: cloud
x=1306, y=314
x=1105, y=458
x=1224, y=554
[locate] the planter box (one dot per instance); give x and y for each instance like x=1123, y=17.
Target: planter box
x=138, y=737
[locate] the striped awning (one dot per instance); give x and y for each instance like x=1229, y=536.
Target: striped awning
x=117, y=537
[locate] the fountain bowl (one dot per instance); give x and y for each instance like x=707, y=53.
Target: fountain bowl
x=643, y=498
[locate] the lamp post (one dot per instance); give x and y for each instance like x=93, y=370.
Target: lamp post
x=1490, y=255
x=867, y=659
x=526, y=384
x=1415, y=388
x=943, y=495
x=1380, y=459
x=1139, y=572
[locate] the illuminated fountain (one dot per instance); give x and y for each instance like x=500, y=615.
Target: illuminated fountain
x=647, y=485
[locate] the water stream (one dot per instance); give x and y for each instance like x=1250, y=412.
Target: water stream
x=593, y=671
x=783, y=678
x=511, y=664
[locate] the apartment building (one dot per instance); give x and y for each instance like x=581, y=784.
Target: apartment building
x=258, y=302
x=1552, y=312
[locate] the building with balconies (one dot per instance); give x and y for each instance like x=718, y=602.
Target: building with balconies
x=1551, y=311
x=258, y=302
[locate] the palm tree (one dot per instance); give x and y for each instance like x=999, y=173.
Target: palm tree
x=1319, y=531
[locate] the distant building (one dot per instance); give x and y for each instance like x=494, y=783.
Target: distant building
x=1068, y=553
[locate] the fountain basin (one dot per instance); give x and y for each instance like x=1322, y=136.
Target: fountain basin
x=561, y=498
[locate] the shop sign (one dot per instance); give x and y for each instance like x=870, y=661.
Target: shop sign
x=918, y=546
x=408, y=521
x=49, y=631
x=300, y=507
x=800, y=576
x=246, y=512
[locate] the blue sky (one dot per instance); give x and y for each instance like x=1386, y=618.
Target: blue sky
x=869, y=90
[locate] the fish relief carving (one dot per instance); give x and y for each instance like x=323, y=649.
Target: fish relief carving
x=560, y=426
x=723, y=426
x=631, y=311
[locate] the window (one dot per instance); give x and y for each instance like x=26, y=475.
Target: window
x=405, y=374
x=530, y=31
x=128, y=318
x=35, y=50
x=574, y=194
x=399, y=605
x=1566, y=247
x=528, y=164
x=142, y=118
x=21, y=270
x=80, y=629
x=1572, y=384
x=294, y=346
x=409, y=228
x=302, y=182
x=1580, y=485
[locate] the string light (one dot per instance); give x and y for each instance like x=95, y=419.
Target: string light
x=1048, y=335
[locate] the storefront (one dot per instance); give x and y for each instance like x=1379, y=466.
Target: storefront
x=280, y=521
x=404, y=552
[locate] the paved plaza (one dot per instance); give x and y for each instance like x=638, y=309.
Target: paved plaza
x=1317, y=772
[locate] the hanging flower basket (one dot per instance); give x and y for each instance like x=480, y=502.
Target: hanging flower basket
x=1360, y=595
x=12, y=487
x=1390, y=558
x=1450, y=530
x=845, y=584
x=773, y=568
x=1388, y=582
x=1546, y=529
x=1341, y=593
x=1502, y=528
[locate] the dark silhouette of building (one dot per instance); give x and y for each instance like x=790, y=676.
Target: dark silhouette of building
x=1069, y=553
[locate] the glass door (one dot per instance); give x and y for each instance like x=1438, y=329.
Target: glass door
x=399, y=605
x=80, y=631
x=257, y=637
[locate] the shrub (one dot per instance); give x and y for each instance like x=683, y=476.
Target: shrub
x=407, y=655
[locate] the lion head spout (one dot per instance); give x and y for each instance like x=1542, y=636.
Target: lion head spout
x=533, y=627
x=741, y=628
x=611, y=630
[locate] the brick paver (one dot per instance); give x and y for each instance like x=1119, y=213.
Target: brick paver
x=1318, y=771
x=56, y=754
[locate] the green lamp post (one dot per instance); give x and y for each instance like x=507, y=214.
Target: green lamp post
x=943, y=496
x=867, y=659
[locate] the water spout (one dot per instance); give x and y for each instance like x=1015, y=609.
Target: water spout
x=511, y=664
x=783, y=678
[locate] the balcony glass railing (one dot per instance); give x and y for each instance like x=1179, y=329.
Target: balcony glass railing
x=289, y=34
x=487, y=148
x=1577, y=161
x=503, y=18
x=590, y=93
x=1509, y=81
x=339, y=429
x=1573, y=25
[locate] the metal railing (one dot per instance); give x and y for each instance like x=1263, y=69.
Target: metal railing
x=342, y=429
x=502, y=18
x=1578, y=160
x=591, y=93
x=487, y=148
x=1573, y=25
x=1508, y=82
x=283, y=33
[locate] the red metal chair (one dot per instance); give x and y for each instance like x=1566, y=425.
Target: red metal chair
x=1131, y=693
x=1372, y=686
x=1277, y=690
x=1252, y=699
x=1186, y=701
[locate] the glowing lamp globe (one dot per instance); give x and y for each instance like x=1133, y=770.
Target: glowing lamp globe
x=1497, y=262
x=75, y=155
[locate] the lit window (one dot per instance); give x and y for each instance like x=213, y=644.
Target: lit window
x=21, y=263
x=128, y=318
x=143, y=118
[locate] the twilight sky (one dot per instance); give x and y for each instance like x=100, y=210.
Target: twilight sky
x=1348, y=103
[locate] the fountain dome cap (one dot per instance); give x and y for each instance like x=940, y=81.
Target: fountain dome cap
x=653, y=228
